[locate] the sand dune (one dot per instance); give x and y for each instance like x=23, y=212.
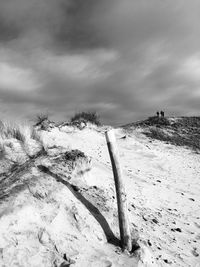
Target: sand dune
x=60, y=214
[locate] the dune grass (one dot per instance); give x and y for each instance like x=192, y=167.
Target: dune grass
x=176, y=136
x=2, y=148
x=8, y=131
x=89, y=116
x=179, y=131
x=40, y=118
x=18, y=141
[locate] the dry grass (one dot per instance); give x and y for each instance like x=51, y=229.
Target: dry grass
x=178, y=137
x=79, y=161
x=36, y=135
x=73, y=155
x=9, y=131
x=178, y=131
x=40, y=118
x=86, y=117
x=2, y=149
x=18, y=142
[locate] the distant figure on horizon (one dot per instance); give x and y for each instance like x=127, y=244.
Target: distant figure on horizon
x=157, y=113
x=162, y=114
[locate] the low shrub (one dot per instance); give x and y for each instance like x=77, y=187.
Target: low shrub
x=156, y=133
x=74, y=155
x=40, y=118
x=80, y=163
x=91, y=117
x=157, y=121
x=175, y=138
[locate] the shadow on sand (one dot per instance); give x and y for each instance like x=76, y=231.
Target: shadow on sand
x=111, y=238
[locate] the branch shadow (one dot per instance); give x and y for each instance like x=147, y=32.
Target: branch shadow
x=111, y=238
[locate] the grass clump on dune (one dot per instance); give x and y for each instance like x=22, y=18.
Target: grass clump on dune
x=80, y=162
x=42, y=121
x=8, y=131
x=86, y=117
x=40, y=118
x=74, y=155
x=18, y=142
x=157, y=121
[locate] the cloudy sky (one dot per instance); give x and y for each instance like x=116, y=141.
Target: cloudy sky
x=125, y=59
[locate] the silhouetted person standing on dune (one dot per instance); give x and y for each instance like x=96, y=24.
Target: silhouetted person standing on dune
x=162, y=114
x=157, y=113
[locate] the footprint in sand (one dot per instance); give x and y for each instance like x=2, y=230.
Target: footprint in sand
x=195, y=252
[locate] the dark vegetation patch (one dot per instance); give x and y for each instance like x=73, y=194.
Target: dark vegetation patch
x=40, y=118
x=73, y=155
x=85, y=117
x=42, y=122
x=181, y=131
x=156, y=121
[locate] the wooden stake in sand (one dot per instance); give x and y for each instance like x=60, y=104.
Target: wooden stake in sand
x=120, y=191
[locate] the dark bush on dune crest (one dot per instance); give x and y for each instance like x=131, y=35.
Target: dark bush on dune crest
x=40, y=118
x=91, y=117
x=157, y=121
x=42, y=122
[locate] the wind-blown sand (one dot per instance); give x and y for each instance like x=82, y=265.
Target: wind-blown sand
x=61, y=218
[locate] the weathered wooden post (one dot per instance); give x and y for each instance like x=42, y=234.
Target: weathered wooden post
x=125, y=235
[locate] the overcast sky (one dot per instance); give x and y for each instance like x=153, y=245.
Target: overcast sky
x=126, y=59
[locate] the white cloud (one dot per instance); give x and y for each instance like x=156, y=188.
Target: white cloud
x=17, y=78
x=191, y=67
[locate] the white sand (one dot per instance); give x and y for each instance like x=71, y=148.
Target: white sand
x=46, y=220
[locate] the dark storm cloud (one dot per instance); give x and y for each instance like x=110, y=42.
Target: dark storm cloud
x=78, y=29
x=8, y=31
x=63, y=24
x=126, y=59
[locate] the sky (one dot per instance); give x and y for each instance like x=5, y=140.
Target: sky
x=124, y=59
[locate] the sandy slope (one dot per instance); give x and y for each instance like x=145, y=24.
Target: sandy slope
x=77, y=215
